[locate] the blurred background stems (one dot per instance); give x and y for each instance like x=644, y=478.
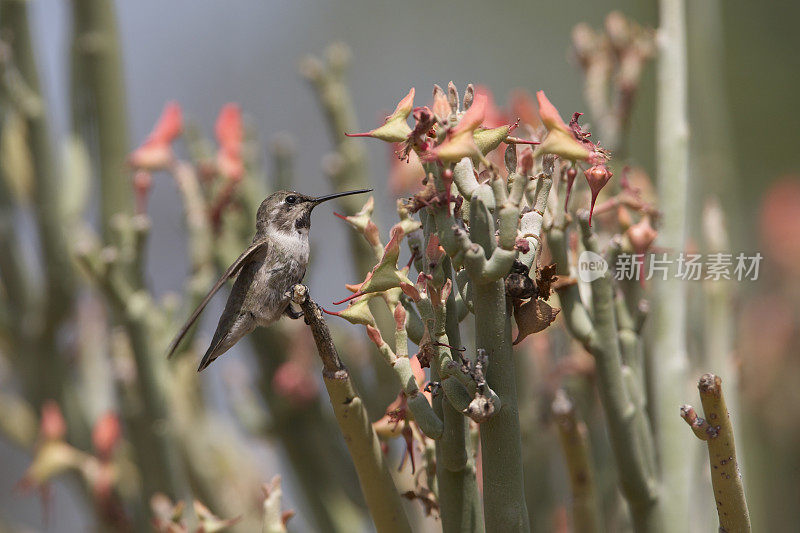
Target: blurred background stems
x=668, y=358
x=42, y=366
x=99, y=104
x=346, y=167
x=163, y=409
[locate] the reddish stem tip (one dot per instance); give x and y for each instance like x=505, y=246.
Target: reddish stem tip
x=356, y=295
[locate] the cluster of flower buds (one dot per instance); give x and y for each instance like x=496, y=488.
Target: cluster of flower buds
x=54, y=456
x=613, y=60
x=446, y=134
x=169, y=517
x=156, y=154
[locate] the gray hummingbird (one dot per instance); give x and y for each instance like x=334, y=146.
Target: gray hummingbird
x=274, y=262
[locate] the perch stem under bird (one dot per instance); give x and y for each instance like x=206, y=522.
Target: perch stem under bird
x=274, y=262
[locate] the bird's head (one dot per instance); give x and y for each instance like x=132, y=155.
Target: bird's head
x=287, y=211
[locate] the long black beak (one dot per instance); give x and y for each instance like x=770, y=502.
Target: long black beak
x=327, y=197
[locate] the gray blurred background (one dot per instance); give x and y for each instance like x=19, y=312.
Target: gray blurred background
x=204, y=53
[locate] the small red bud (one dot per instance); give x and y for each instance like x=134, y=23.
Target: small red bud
x=156, y=151
x=526, y=161
x=522, y=245
x=411, y=291
x=441, y=106
x=597, y=176
x=375, y=335
x=52, y=426
x=641, y=235
x=293, y=382
x=142, y=181
x=400, y=317
x=106, y=434
x=571, y=173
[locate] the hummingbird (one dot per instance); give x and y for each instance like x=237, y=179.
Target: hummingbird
x=265, y=273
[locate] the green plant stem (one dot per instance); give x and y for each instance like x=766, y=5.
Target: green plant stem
x=628, y=427
x=716, y=429
x=377, y=485
x=272, y=517
x=501, y=444
x=99, y=103
x=487, y=260
x=669, y=363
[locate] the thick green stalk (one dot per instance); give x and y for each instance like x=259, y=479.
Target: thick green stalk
x=99, y=104
x=504, y=505
x=716, y=429
x=669, y=363
x=501, y=444
x=377, y=485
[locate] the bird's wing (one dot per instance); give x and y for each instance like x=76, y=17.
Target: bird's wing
x=246, y=257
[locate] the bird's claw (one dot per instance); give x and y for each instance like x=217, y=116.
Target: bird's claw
x=292, y=313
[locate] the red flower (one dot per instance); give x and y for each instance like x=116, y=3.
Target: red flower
x=106, y=434
x=597, y=176
x=230, y=136
x=52, y=425
x=156, y=151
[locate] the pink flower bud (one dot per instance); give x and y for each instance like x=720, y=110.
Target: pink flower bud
x=549, y=114
x=525, y=164
x=411, y=291
x=522, y=246
x=230, y=136
x=106, y=434
x=52, y=425
x=375, y=335
x=641, y=235
x=142, y=181
x=434, y=252
x=597, y=176
x=571, y=173
x=441, y=107
x=400, y=317
x=293, y=382
x=156, y=151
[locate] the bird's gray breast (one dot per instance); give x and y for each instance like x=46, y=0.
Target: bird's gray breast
x=283, y=267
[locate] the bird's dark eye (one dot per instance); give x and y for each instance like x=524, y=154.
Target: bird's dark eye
x=291, y=199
